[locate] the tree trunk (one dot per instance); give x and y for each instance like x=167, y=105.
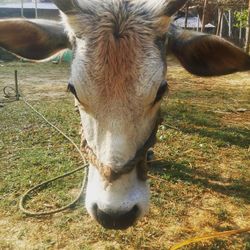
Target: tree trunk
x=198, y=22
x=220, y=17
x=230, y=23
x=240, y=31
x=36, y=14
x=203, y=22
x=247, y=46
x=222, y=24
x=22, y=8
x=186, y=14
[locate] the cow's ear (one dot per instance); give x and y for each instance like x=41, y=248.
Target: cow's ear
x=206, y=55
x=33, y=39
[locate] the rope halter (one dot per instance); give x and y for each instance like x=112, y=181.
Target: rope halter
x=139, y=161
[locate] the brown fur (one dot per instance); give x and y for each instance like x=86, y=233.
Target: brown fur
x=162, y=24
x=117, y=46
x=116, y=60
x=32, y=41
x=207, y=55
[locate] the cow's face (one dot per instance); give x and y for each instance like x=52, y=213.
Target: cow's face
x=118, y=76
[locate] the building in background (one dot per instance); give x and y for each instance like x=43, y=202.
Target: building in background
x=193, y=23
x=45, y=9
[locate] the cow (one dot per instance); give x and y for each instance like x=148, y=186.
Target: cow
x=118, y=76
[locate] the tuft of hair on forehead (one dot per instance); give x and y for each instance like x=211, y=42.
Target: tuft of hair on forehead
x=154, y=7
x=119, y=13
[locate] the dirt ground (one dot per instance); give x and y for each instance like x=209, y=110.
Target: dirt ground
x=200, y=180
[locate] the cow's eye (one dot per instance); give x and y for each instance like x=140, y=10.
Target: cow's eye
x=161, y=91
x=72, y=89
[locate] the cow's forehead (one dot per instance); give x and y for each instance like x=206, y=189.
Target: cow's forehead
x=119, y=58
x=96, y=88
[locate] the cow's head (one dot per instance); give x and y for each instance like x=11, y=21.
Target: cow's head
x=118, y=76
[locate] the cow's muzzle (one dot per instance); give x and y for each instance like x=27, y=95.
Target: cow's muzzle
x=111, y=220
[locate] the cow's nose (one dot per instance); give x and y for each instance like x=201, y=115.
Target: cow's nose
x=116, y=220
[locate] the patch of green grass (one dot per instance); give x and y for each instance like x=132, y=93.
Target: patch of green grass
x=195, y=120
x=34, y=152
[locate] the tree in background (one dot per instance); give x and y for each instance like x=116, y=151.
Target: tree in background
x=231, y=18
x=247, y=47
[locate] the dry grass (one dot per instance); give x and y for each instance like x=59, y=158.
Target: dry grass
x=200, y=185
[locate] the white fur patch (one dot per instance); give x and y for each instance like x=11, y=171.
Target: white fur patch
x=154, y=7
x=120, y=197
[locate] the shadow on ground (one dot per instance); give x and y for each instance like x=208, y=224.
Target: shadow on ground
x=194, y=120
x=174, y=171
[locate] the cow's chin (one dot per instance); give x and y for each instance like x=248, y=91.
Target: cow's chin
x=117, y=205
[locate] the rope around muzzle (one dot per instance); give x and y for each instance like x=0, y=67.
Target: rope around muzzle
x=109, y=174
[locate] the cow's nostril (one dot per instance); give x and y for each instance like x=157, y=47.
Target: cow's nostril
x=116, y=220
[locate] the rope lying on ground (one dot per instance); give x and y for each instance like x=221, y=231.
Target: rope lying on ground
x=25, y=196
x=10, y=95
x=209, y=237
